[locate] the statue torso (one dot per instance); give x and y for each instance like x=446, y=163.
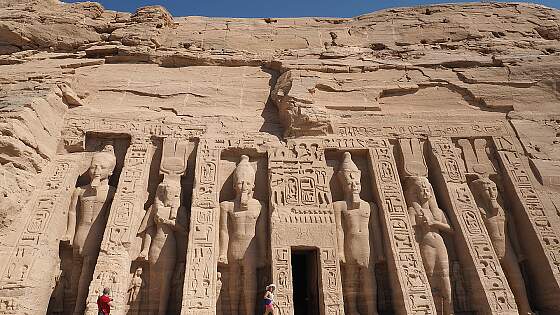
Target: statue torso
x=496, y=226
x=355, y=223
x=242, y=227
x=93, y=205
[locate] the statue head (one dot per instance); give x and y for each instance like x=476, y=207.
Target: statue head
x=419, y=188
x=102, y=165
x=138, y=271
x=169, y=192
x=486, y=190
x=244, y=180
x=349, y=177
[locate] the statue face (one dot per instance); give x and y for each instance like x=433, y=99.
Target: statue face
x=425, y=190
x=101, y=167
x=489, y=191
x=244, y=188
x=352, y=183
x=169, y=194
x=139, y=271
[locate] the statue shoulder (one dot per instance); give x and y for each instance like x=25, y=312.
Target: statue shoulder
x=257, y=203
x=226, y=206
x=78, y=191
x=339, y=205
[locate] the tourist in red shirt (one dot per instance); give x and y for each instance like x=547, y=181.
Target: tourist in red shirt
x=104, y=303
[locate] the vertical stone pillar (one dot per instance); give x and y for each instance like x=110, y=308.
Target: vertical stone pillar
x=113, y=264
x=302, y=216
x=490, y=289
x=199, y=289
x=409, y=283
x=536, y=227
x=29, y=263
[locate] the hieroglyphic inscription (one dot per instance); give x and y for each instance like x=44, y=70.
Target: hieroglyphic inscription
x=413, y=295
x=299, y=184
x=199, y=289
x=282, y=277
x=389, y=128
x=494, y=294
x=331, y=281
x=113, y=263
x=77, y=126
x=516, y=175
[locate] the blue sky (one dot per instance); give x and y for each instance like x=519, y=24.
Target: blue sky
x=272, y=8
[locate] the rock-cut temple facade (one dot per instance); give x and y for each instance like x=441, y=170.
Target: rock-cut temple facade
x=405, y=161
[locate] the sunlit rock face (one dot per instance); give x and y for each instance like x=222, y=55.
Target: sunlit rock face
x=405, y=161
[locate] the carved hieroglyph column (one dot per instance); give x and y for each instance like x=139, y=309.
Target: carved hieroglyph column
x=409, y=283
x=113, y=264
x=28, y=267
x=532, y=216
x=490, y=288
x=199, y=289
x=301, y=217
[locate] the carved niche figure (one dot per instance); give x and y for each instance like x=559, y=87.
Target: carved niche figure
x=87, y=218
x=503, y=238
x=242, y=239
x=428, y=220
x=159, y=245
x=136, y=283
x=357, y=229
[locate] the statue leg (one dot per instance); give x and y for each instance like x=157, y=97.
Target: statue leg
x=86, y=275
x=249, y=285
x=516, y=281
x=165, y=277
x=350, y=287
x=234, y=291
x=77, y=263
x=369, y=289
x=443, y=262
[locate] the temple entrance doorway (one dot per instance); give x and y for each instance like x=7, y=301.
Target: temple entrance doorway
x=305, y=279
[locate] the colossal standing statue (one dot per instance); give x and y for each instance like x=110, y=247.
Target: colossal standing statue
x=159, y=246
x=87, y=218
x=428, y=220
x=358, y=228
x=503, y=238
x=242, y=239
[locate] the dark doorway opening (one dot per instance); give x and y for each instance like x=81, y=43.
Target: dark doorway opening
x=305, y=278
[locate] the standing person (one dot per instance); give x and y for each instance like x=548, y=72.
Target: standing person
x=269, y=299
x=104, y=303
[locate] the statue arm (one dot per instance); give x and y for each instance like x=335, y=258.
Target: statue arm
x=377, y=235
x=224, y=234
x=412, y=213
x=442, y=223
x=71, y=220
x=339, y=234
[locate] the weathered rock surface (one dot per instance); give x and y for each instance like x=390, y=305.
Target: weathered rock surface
x=282, y=78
